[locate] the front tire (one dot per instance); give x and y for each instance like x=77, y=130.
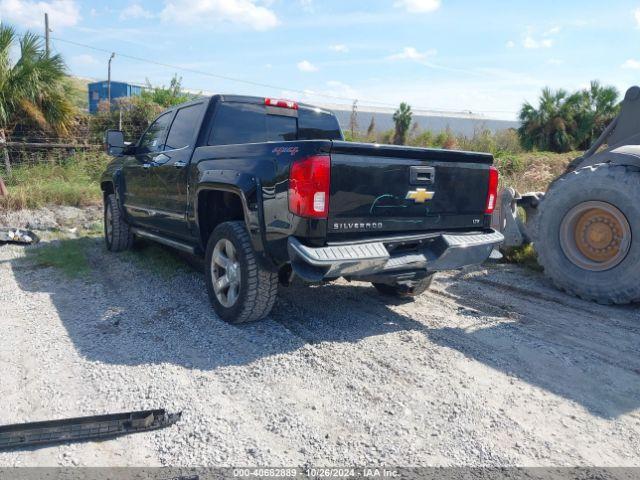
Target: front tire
x=404, y=291
x=587, y=232
x=240, y=289
x=117, y=232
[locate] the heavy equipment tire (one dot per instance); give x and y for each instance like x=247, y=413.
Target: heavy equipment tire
x=587, y=233
x=117, y=233
x=249, y=291
x=404, y=291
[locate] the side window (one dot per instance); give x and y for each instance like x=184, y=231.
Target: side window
x=183, y=127
x=152, y=139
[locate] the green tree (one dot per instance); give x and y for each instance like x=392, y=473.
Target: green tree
x=166, y=96
x=402, y=119
x=132, y=115
x=598, y=106
x=550, y=126
x=33, y=88
x=563, y=121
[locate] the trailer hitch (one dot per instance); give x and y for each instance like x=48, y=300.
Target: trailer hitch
x=79, y=429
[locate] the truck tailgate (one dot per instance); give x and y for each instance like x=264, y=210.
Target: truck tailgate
x=376, y=188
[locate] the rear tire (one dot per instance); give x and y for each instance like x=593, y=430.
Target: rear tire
x=117, y=232
x=588, y=233
x=240, y=289
x=404, y=291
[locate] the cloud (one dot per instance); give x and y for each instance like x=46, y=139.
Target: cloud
x=339, y=48
x=84, y=59
x=552, y=31
x=135, y=10
x=555, y=61
x=631, y=64
x=636, y=15
x=418, y=6
x=511, y=44
x=410, y=53
x=336, y=88
x=532, y=43
x=208, y=12
x=30, y=14
x=307, y=66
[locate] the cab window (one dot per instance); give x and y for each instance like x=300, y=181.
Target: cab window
x=183, y=127
x=152, y=140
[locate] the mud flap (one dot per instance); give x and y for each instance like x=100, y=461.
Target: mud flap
x=80, y=429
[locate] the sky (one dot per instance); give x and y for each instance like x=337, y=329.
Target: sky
x=487, y=57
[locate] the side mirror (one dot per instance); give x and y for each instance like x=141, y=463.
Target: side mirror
x=114, y=142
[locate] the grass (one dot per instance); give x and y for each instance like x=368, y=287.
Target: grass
x=70, y=256
x=532, y=171
x=160, y=260
x=69, y=181
x=525, y=256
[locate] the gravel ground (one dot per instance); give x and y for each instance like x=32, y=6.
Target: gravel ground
x=492, y=367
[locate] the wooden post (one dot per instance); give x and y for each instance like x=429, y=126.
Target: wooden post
x=5, y=152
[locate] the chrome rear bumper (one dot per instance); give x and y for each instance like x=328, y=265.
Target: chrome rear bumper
x=383, y=259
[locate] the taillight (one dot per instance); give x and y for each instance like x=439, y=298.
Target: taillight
x=492, y=194
x=309, y=186
x=277, y=102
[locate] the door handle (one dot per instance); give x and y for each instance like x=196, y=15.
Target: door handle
x=419, y=175
x=180, y=164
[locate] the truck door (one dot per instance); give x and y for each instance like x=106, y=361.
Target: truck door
x=137, y=197
x=169, y=170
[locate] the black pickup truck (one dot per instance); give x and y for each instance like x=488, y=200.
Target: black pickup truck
x=268, y=189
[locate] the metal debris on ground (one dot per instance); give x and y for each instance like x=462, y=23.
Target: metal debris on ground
x=17, y=235
x=83, y=428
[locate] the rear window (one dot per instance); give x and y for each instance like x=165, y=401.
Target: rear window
x=237, y=122
x=317, y=125
x=249, y=123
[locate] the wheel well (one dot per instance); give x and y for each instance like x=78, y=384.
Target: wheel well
x=216, y=207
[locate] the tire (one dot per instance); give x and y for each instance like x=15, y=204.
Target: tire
x=561, y=249
x=404, y=291
x=252, y=289
x=117, y=232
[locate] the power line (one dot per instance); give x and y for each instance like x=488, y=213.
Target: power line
x=264, y=85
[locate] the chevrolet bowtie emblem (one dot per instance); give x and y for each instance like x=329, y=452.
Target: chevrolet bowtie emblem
x=419, y=195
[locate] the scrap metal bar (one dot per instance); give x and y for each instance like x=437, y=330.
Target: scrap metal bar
x=51, y=145
x=83, y=428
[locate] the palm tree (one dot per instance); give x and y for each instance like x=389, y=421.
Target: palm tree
x=563, y=122
x=402, y=119
x=598, y=107
x=551, y=125
x=33, y=88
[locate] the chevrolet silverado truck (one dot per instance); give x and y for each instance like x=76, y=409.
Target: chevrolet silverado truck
x=267, y=189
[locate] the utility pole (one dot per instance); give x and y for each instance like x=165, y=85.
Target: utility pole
x=109, y=81
x=46, y=33
x=353, y=121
